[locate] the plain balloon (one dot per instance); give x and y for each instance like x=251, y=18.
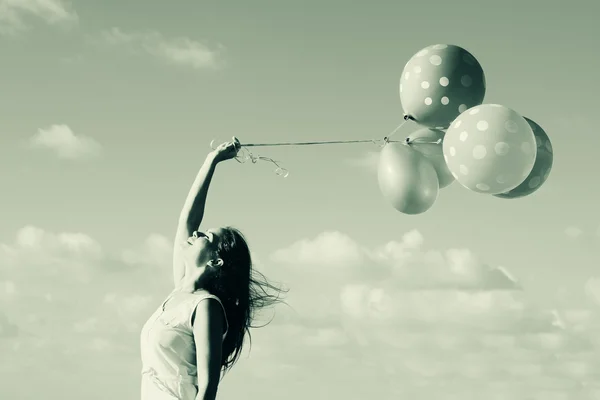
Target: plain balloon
x=424, y=141
x=407, y=179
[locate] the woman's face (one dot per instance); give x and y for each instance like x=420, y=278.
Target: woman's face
x=201, y=248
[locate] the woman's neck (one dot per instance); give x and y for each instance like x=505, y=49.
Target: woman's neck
x=188, y=284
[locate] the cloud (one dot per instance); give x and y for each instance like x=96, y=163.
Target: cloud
x=51, y=266
x=71, y=308
x=65, y=143
x=14, y=14
x=369, y=161
x=592, y=289
x=7, y=328
x=51, y=254
x=156, y=251
x=573, y=232
x=406, y=261
x=329, y=248
x=66, y=284
x=411, y=321
x=181, y=51
x=390, y=320
x=35, y=247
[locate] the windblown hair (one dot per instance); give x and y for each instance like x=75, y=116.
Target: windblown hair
x=242, y=290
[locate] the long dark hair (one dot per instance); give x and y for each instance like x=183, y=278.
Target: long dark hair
x=242, y=290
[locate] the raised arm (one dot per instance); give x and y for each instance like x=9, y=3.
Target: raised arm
x=193, y=209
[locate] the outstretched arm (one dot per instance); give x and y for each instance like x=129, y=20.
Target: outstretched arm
x=193, y=209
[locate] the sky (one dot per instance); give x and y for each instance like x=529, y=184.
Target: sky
x=107, y=112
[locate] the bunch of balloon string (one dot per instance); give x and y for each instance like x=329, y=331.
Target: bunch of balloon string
x=487, y=148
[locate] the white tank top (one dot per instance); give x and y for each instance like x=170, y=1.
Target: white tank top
x=168, y=350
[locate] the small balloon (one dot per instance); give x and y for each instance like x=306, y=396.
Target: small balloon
x=541, y=169
x=428, y=142
x=439, y=82
x=490, y=149
x=407, y=179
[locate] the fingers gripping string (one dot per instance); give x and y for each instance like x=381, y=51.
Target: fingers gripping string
x=244, y=155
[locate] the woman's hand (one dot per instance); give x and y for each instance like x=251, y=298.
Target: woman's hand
x=227, y=150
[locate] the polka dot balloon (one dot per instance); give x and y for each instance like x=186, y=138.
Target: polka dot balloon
x=490, y=149
x=541, y=169
x=440, y=82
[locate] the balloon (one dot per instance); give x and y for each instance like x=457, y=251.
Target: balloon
x=407, y=179
x=490, y=149
x=541, y=169
x=440, y=82
x=423, y=141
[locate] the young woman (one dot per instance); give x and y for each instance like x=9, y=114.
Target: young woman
x=199, y=329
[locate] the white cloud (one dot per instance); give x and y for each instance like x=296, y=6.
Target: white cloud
x=406, y=261
x=181, y=51
x=47, y=250
x=14, y=14
x=75, y=257
x=329, y=248
x=65, y=144
x=7, y=328
x=573, y=232
x=9, y=288
x=419, y=322
x=63, y=296
x=389, y=321
x=369, y=160
x=156, y=250
x=592, y=289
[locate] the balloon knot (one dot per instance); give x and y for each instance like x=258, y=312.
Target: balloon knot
x=408, y=117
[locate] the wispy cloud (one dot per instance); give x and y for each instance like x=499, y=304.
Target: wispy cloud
x=156, y=250
x=61, y=140
x=573, y=232
x=369, y=160
x=181, y=51
x=592, y=289
x=15, y=14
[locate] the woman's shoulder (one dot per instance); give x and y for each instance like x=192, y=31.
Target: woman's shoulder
x=208, y=309
x=200, y=295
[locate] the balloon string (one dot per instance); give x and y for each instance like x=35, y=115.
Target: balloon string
x=418, y=141
x=308, y=143
x=248, y=156
x=405, y=120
